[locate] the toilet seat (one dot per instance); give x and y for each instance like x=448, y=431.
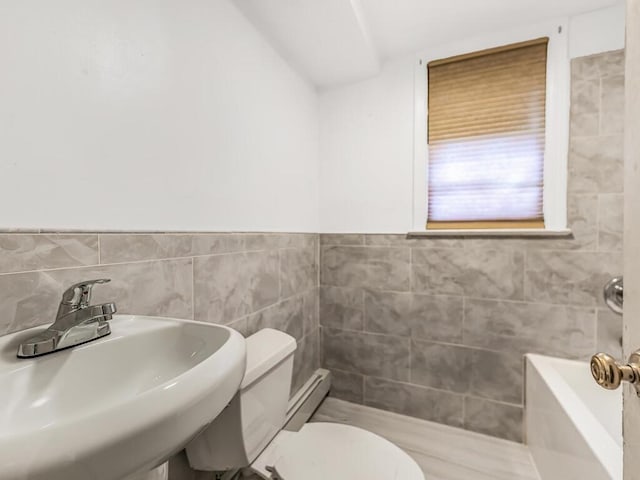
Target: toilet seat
x=321, y=451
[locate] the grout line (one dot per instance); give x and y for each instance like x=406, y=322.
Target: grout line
x=597, y=221
x=81, y=267
x=600, y=105
x=238, y=252
x=272, y=305
x=279, y=274
x=411, y=281
x=525, y=258
x=410, y=372
x=596, y=329
x=433, y=389
x=464, y=411
x=146, y=260
x=193, y=289
x=464, y=319
x=523, y=426
x=423, y=339
x=363, y=310
x=473, y=297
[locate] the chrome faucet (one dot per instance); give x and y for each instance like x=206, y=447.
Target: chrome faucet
x=76, y=322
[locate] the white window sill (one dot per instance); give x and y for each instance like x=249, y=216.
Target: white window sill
x=515, y=232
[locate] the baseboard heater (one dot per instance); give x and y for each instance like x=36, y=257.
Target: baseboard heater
x=301, y=408
x=307, y=400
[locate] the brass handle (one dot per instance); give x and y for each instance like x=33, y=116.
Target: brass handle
x=609, y=374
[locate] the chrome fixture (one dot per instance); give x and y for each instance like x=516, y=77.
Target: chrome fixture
x=613, y=294
x=609, y=374
x=76, y=322
x=274, y=473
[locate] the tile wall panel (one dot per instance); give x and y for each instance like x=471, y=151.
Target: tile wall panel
x=469, y=308
x=246, y=281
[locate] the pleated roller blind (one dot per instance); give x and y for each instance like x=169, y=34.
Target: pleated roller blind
x=486, y=132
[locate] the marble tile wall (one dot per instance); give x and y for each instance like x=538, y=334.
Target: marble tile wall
x=436, y=328
x=246, y=281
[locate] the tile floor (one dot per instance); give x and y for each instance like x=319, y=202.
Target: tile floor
x=443, y=452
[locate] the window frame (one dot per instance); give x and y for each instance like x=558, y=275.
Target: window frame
x=556, y=130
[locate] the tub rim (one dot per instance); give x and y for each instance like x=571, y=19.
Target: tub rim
x=596, y=436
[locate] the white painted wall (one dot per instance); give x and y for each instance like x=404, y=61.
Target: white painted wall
x=334, y=42
x=366, y=153
x=366, y=140
x=402, y=26
x=599, y=31
x=153, y=114
x=327, y=41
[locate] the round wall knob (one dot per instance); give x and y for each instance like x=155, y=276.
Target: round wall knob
x=614, y=294
x=606, y=371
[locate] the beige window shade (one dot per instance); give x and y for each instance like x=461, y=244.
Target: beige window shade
x=486, y=131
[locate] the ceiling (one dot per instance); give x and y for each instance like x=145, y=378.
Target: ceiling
x=337, y=41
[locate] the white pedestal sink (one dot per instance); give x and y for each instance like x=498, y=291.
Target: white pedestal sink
x=116, y=406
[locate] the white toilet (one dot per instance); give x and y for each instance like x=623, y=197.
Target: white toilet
x=248, y=433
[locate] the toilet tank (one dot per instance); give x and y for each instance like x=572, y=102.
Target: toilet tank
x=256, y=413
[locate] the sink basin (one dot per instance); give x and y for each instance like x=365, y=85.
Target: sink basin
x=117, y=406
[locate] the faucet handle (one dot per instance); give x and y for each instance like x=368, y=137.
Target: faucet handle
x=79, y=295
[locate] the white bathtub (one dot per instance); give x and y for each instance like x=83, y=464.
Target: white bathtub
x=573, y=426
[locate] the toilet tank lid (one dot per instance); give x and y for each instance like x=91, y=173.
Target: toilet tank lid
x=265, y=349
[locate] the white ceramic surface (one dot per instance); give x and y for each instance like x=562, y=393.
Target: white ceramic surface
x=340, y=452
x=573, y=427
x=256, y=414
x=117, y=406
x=158, y=473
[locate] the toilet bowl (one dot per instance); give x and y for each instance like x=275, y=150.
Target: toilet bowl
x=248, y=434
x=321, y=451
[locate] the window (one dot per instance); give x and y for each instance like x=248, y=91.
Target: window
x=492, y=121
x=486, y=126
